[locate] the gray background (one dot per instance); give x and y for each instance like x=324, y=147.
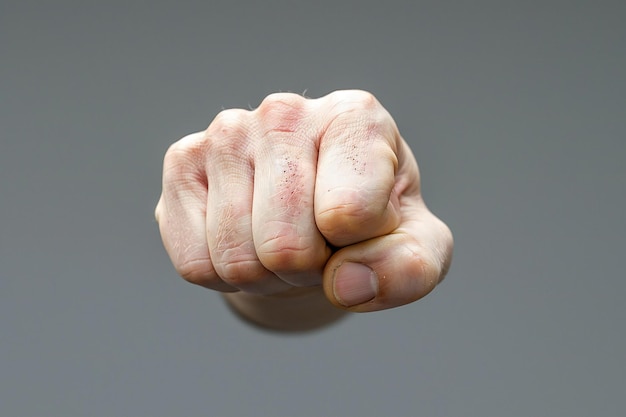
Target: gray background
x=516, y=112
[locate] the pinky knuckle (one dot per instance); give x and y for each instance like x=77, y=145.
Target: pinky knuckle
x=191, y=148
x=183, y=162
x=197, y=272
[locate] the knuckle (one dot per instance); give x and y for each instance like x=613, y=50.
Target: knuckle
x=202, y=272
x=358, y=98
x=362, y=122
x=444, y=249
x=282, y=112
x=281, y=102
x=343, y=216
x=227, y=134
x=158, y=209
x=340, y=225
x=190, y=147
x=447, y=239
x=197, y=271
x=234, y=262
x=229, y=124
x=351, y=217
x=424, y=266
x=240, y=273
x=286, y=254
x=183, y=160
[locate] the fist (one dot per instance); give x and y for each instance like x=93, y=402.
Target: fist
x=303, y=193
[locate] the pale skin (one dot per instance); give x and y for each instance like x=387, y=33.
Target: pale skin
x=302, y=210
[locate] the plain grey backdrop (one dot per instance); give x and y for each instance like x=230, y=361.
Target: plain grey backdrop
x=516, y=112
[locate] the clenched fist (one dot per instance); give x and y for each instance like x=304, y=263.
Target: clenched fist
x=298, y=204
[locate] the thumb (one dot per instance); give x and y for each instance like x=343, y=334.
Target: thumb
x=391, y=270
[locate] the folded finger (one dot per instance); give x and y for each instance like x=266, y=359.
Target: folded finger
x=285, y=234
x=355, y=197
x=229, y=206
x=181, y=213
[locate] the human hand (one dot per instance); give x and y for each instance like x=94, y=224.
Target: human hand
x=300, y=193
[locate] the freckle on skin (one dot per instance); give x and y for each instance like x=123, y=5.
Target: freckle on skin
x=289, y=188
